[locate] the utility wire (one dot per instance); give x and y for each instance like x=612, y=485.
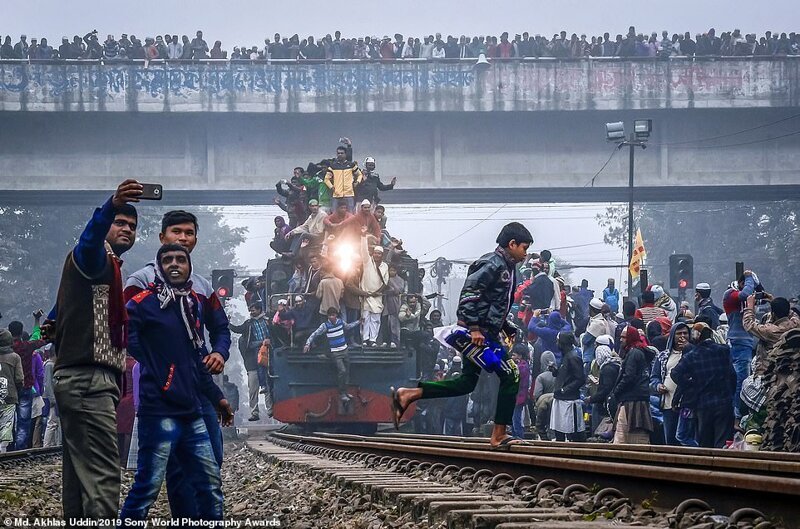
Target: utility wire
x=464, y=232
x=710, y=138
x=591, y=181
x=794, y=133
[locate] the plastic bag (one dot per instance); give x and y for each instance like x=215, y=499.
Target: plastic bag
x=605, y=429
x=263, y=355
x=490, y=357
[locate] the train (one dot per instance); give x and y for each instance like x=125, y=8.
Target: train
x=303, y=385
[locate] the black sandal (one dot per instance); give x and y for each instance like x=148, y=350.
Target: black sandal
x=506, y=444
x=397, y=409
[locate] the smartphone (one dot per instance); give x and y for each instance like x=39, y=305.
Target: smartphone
x=151, y=192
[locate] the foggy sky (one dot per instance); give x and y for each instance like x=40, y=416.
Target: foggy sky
x=459, y=232
x=248, y=22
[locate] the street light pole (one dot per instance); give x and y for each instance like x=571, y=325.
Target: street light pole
x=632, y=144
x=638, y=138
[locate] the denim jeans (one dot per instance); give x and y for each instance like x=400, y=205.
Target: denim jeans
x=453, y=427
x=686, y=432
x=181, y=493
x=188, y=439
x=516, y=422
x=22, y=438
x=741, y=355
x=670, y=426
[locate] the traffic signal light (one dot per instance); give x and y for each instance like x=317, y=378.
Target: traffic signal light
x=681, y=271
x=222, y=283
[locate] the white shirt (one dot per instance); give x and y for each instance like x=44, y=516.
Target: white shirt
x=426, y=51
x=174, y=50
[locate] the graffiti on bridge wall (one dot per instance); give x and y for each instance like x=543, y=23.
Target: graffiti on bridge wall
x=187, y=80
x=515, y=85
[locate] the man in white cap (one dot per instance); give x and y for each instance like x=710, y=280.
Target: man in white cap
x=705, y=305
x=369, y=187
x=598, y=326
x=304, y=315
x=352, y=226
x=374, y=277
x=282, y=323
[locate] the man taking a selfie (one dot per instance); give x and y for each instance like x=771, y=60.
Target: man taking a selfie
x=90, y=336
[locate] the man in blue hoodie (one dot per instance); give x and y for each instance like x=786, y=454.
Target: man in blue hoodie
x=181, y=227
x=165, y=337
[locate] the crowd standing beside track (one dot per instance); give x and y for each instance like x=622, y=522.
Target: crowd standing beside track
x=570, y=366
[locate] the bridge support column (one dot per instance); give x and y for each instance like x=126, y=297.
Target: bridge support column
x=211, y=170
x=437, y=153
x=663, y=154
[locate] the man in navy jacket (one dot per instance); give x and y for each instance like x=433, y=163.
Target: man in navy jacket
x=165, y=336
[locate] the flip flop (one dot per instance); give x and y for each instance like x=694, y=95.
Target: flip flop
x=506, y=444
x=397, y=409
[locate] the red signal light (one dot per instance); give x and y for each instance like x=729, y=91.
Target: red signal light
x=683, y=283
x=222, y=292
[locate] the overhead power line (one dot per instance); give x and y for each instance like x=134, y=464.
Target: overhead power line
x=762, y=140
x=464, y=232
x=728, y=135
x=591, y=181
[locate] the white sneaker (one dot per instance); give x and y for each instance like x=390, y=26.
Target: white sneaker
x=393, y=345
x=383, y=344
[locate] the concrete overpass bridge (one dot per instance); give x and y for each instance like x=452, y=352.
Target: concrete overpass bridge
x=520, y=130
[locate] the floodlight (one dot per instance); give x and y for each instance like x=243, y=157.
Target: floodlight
x=615, y=131
x=642, y=128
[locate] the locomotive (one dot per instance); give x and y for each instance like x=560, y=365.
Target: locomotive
x=304, y=390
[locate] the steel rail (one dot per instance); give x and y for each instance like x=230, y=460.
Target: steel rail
x=773, y=489
x=689, y=457
x=29, y=453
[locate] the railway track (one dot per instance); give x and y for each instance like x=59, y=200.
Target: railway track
x=17, y=457
x=658, y=486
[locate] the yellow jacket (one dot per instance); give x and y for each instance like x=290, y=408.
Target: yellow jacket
x=342, y=177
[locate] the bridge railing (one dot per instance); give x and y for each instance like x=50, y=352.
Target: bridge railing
x=156, y=62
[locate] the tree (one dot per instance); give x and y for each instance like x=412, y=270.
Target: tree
x=765, y=236
x=36, y=241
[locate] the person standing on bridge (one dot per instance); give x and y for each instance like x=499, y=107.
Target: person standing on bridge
x=483, y=308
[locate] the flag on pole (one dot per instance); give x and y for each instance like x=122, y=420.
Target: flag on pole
x=637, y=257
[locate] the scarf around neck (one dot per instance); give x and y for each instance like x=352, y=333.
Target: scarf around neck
x=182, y=295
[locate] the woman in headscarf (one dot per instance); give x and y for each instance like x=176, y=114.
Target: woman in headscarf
x=566, y=416
x=633, y=422
x=679, y=422
x=657, y=332
x=608, y=364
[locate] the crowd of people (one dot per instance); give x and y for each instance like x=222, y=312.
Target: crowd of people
x=600, y=368
x=335, y=47
x=121, y=371
x=352, y=283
